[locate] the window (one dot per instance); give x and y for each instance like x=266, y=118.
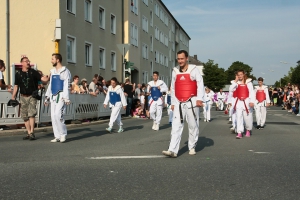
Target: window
x=161, y=59
x=162, y=38
x=162, y=78
x=180, y=36
x=145, y=77
x=157, y=56
x=145, y=2
x=156, y=33
x=145, y=51
x=101, y=57
x=134, y=6
x=151, y=43
x=71, y=49
x=113, y=24
x=88, y=10
x=173, y=28
x=134, y=34
x=88, y=54
x=145, y=24
x=166, y=40
x=113, y=60
x=170, y=35
x=71, y=6
x=101, y=17
x=166, y=61
x=156, y=10
x=173, y=46
x=151, y=18
x=166, y=20
x=167, y=81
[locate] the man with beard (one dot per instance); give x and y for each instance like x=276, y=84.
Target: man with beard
x=187, y=93
x=27, y=81
x=58, y=95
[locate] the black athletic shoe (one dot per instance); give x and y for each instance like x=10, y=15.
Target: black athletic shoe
x=27, y=137
x=261, y=127
x=258, y=127
x=32, y=136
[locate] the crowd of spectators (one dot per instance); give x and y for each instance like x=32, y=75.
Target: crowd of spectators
x=286, y=97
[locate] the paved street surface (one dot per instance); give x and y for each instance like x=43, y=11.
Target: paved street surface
x=93, y=164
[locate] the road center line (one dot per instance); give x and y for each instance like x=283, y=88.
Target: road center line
x=124, y=157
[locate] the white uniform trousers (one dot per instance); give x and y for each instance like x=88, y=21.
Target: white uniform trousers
x=261, y=113
x=220, y=104
x=57, y=117
x=243, y=117
x=177, y=127
x=232, y=114
x=115, y=116
x=170, y=113
x=156, y=111
x=206, y=110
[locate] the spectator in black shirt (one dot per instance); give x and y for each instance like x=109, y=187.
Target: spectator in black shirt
x=27, y=80
x=128, y=91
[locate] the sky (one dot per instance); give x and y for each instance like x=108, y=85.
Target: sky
x=265, y=34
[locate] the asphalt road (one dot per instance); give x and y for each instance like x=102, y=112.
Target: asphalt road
x=265, y=166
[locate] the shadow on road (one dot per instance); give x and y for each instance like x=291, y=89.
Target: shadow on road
x=202, y=143
x=131, y=128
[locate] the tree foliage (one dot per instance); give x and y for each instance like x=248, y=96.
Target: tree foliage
x=214, y=77
x=286, y=78
x=237, y=65
x=295, y=76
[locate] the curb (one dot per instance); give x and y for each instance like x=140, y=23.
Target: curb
x=49, y=128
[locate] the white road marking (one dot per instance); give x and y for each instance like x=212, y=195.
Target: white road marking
x=124, y=157
x=262, y=152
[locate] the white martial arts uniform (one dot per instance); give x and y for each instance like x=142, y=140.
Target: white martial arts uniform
x=221, y=99
x=187, y=111
x=156, y=107
x=231, y=111
x=242, y=116
x=115, y=109
x=260, y=107
x=207, y=102
x=58, y=101
x=170, y=111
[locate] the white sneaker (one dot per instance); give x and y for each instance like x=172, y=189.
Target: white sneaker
x=108, y=129
x=62, y=139
x=55, y=140
x=298, y=115
x=232, y=130
x=204, y=120
x=120, y=129
x=169, y=153
x=230, y=119
x=192, y=152
x=154, y=125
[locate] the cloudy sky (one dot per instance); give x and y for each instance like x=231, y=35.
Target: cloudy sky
x=260, y=33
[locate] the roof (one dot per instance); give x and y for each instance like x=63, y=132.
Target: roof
x=173, y=18
x=193, y=60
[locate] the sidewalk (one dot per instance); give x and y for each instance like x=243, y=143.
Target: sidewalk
x=23, y=131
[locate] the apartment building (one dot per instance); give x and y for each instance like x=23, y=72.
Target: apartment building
x=155, y=37
x=87, y=34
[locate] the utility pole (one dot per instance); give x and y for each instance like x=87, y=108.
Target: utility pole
x=8, y=43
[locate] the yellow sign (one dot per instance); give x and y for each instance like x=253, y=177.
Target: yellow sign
x=56, y=47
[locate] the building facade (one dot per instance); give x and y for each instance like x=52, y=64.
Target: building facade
x=87, y=34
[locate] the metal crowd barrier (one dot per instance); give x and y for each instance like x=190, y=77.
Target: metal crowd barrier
x=82, y=106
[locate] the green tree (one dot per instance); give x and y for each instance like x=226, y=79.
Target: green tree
x=237, y=65
x=214, y=77
x=286, y=78
x=295, y=76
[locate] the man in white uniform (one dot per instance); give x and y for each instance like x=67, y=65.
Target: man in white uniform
x=261, y=103
x=116, y=98
x=221, y=99
x=58, y=95
x=156, y=88
x=187, y=92
x=244, y=99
